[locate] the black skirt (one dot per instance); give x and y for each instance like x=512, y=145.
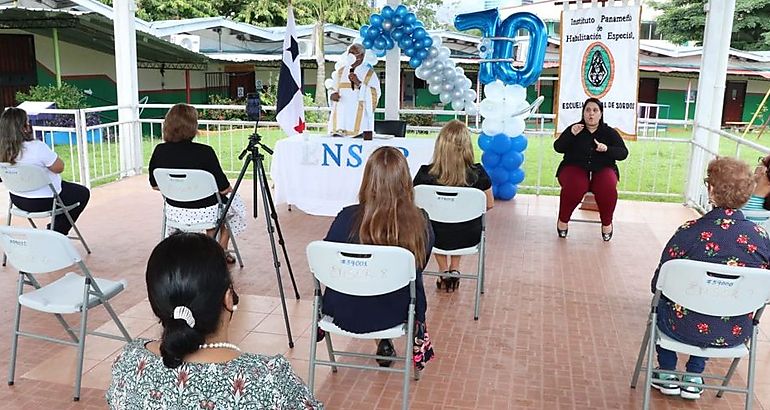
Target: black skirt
x=452, y=236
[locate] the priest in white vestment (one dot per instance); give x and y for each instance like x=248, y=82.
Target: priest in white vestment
x=355, y=92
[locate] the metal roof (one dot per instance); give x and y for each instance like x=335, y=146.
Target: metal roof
x=95, y=31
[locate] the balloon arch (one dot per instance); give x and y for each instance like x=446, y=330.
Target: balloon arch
x=504, y=107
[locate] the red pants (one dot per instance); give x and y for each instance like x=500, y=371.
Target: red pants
x=576, y=181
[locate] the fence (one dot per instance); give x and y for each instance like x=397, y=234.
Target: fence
x=656, y=168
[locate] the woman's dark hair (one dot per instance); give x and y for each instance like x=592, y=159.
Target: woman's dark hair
x=601, y=110
x=186, y=269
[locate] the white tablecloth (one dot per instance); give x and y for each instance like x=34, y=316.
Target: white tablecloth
x=321, y=175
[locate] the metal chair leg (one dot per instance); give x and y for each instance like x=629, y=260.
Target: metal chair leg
x=729, y=375
x=82, y=342
x=330, y=350
x=642, y=348
x=16, y=324
x=235, y=245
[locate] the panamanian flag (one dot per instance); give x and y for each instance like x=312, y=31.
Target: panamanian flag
x=289, y=105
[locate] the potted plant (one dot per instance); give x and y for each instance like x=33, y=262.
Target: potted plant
x=66, y=97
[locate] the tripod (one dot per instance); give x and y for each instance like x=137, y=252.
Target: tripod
x=255, y=158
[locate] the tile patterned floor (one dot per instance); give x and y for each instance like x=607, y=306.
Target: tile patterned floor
x=560, y=323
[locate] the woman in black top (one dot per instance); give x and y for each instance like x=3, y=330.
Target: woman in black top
x=590, y=149
x=453, y=166
x=179, y=151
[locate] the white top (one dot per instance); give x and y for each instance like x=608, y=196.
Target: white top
x=38, y=153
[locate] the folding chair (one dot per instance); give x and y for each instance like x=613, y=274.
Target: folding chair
x=361, y=270
x=711, y=289
x=455, y=205
x=35, y=251
x=186, y=185
x=24, y=178
x=759, y=215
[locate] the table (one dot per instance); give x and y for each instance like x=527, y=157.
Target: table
x=320, y=175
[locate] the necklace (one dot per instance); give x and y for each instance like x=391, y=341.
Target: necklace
x=220, y=345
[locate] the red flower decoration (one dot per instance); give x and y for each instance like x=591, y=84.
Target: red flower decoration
x=737, y=330
x=706, y=236
x=702, y=327
x=729, y=212
x=742, y=239
x=751, y=248
x=712, y=246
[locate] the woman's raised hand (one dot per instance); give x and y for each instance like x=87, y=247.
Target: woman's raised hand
x=577, y=128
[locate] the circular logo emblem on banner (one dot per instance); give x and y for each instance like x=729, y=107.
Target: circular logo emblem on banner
x=598, y=70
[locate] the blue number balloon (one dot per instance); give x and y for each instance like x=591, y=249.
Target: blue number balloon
x=538, y=41
x=486, y=21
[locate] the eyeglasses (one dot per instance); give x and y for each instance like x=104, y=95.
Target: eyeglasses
x=761, y=161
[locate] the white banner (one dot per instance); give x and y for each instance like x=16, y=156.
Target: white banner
x=600, y=59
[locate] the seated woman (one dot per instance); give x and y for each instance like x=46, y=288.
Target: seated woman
x=19, y=146
x=760, y=198
x=179, y=151
x=385, y=215
x=721, y=236
x=453, y=165
x=194, y=365
x=590, y=149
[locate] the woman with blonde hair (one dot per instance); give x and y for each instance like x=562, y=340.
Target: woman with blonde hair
x=385, y=215
x=179, y=151
x=19, y=146
x=453, y=165
x=725, y=236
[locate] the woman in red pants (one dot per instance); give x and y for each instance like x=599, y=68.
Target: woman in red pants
x=590, y=149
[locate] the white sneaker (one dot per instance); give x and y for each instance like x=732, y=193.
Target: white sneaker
x=667, y=389
x=692, y=392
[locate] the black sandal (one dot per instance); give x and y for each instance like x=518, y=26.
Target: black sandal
x=385, y=348
x=453, y=282
x=441, y=280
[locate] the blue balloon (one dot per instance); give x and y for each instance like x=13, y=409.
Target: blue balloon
x=409, y=52
x=485, y=142
x=501, y=143
x=387, y=12
x=389, y=43
x=486, y=21
x=364, y=31
x=422, y=54
x=367, y=43
x=376, y=20
x=415, y=61
x=419, y=33
x=401, y=10
x=519, y=143
x=373, y=33
x=512, y=160
x=490, y=160
x=538, y=41
x=410, y=18
x=516, y=176
x=427, y=42
x=505, y=191
x=405, y=43
x=380, y=43
x=397, y=34
x=397, y=20
x=380, y=53
x=499, y=175
x=408, y=28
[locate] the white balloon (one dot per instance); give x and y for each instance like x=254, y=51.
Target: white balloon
x=518, y=107
x=445, y=97
x=470, y=95
x=387, y=25
x=515, y=93
x=448, y=87
x=458, y=105
x=329, y=83
x=434, y=88
x=436, y=40
x=444, y=53
x=439, y=66
x=457, y=95
x=495, y=90
x=470, y=108
x=460, y=71
x=492, y=126
x=433, y=52
x=514, y=126
x=490, y=108
x=429, y=63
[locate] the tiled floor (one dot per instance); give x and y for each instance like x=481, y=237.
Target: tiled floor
x=560, y=325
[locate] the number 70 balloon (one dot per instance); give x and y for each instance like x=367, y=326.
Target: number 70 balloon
x=501, y=35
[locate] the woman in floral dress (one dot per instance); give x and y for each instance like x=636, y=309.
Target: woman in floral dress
x=725, y=236
x=194, y=365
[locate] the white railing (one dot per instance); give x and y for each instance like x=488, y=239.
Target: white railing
x=656, y=169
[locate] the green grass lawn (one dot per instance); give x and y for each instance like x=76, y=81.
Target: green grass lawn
x=652, y=166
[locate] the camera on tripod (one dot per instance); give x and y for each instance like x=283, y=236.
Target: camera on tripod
x=253, y=106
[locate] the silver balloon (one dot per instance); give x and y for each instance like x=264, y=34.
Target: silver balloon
x=449, y=63
x=436, y=79
x=458, y=105
x=430, y=63
x=445, y=97
x=436, y=40
x=439, y=66
x=457, y=95
x=459, y=83
x=449, y=73
x=435, y=88
x=433, y=52
x=448, y=87
x=387, y=25
x=468, y=83
x=470, y=95
x=444, y=53
x=460, y=71
x=471, y=109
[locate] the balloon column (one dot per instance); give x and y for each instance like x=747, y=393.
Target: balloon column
x=505, y=105
x=430, y=60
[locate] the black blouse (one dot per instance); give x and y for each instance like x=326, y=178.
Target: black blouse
x=580, y=149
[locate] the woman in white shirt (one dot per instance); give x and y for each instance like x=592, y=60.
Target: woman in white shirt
x=19, y=146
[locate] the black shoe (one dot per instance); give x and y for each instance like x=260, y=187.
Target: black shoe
x=607, y=236
x=385, y=348
x=562, y=232
x=442, y=280
x=452, y=282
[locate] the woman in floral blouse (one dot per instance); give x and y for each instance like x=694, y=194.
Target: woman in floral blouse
x=194, y=366
x=725, y=236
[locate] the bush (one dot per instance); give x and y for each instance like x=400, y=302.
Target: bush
x=66, y=97
x=418, y=119
x=223, y=115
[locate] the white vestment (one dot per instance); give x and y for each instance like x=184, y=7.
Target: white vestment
x=354, y=112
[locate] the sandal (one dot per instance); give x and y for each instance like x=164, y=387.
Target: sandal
x=229, y=258
x=442, y=280
x=453, y=282
x=385, y=348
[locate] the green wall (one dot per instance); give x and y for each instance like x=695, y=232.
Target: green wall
x=750, y=106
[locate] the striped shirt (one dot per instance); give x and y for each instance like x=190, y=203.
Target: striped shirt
x=755, y=204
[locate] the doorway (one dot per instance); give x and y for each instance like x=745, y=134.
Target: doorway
x=648, y=93
x=20, y=72
x=735, y=97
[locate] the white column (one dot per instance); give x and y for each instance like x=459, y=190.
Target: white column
x=711, y=88
x=128, y=87
x=393, y=78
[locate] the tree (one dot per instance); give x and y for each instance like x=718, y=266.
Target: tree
x=685, y=20
x=425, y=10
x=154, y=10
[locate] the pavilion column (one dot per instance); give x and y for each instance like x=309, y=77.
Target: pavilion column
x=130, y=137
x=393, y=78
x=711, y=90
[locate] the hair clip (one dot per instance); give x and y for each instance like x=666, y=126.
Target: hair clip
x=184, y=313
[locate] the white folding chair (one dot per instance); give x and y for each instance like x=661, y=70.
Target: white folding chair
x=763, y=218
x=186, y=185
x=361, y=270
x=711, y=289
x=36, y=251
x=455, y=205
x=25, y=178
